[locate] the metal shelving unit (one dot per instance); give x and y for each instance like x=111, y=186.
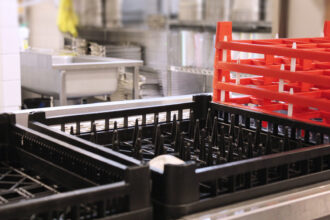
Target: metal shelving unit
x=243, y=26
x=205, y=26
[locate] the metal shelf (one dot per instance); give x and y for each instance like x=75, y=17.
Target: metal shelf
x=242, y=26
x=191, y=70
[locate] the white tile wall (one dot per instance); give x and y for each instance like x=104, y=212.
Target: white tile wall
x=10, y=83
x=8, y=13
x=10, y=92
x=9, y=67
x=9, y=40
x=9, y=108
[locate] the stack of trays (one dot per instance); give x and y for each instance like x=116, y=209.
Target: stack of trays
x=124, y=51
x=150, y=83
x=230, y=154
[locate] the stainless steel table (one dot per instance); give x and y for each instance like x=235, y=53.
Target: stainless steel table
x=305, y=203
x=66, y=76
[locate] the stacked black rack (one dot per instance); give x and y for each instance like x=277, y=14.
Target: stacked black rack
x=45, y=178
x=231, y=154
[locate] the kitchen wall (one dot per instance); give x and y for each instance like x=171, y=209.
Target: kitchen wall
x=42, y=23
x=306, y=18
x=10, y=82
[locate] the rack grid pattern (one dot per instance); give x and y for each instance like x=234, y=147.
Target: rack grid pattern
x=230, y=154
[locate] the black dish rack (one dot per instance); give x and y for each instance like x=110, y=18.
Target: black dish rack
x=231, y=154
x=44, y=178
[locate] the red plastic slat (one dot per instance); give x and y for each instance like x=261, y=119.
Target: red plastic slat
x=309, y=80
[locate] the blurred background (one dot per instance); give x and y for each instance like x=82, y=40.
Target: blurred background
x=173, y=38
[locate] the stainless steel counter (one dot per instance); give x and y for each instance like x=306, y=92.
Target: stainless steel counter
x=310, y=202
x=73, y=76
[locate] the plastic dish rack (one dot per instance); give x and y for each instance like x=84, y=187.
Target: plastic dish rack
x=44, y=178
x=292, y=79
x=232, y=154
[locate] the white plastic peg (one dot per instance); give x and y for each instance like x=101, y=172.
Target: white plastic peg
x=222, y=95
x=281, y=82
x=238, y=75
x=290, y=106
x=293, y=60
x=224, y=52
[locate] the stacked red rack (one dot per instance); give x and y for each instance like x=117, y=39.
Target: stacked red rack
x=292, y=79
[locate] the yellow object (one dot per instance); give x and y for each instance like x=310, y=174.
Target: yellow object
x=25, y=44
x=67, y=19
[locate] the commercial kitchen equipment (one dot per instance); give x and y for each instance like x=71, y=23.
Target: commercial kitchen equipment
x=231, y=154
x=64, y=76
x=184, y=47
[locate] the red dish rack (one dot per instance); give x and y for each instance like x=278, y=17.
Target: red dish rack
x=292, y=79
